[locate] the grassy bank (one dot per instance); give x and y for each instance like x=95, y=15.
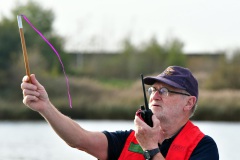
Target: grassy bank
x=112, y=100
x=221, y=105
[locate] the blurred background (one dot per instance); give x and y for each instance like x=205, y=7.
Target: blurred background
x=105, y=46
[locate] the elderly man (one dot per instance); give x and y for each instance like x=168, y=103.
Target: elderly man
x=173, y=100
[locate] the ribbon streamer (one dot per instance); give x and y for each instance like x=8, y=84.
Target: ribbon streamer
x=55, y=51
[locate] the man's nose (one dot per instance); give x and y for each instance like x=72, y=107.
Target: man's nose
x=156, y=95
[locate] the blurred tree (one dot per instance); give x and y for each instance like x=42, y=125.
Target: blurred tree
x=235, y=71
x=10, y=44
x=148, y=58
x=128, y=47
x=43, y=20
x=127, y=58
x=174, y=48
x=154, y=55
x=227, y=75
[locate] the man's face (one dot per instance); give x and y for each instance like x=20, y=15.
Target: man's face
x=167, y=107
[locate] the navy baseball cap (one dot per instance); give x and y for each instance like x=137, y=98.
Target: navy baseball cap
x=177, y=77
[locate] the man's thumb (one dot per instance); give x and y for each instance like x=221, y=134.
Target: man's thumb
x=34, y=80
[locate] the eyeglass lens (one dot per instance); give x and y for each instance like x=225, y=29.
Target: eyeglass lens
x=162, y=91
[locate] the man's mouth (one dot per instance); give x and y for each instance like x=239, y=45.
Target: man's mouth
x=155, y=105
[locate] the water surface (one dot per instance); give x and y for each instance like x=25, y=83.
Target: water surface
x=37, y=141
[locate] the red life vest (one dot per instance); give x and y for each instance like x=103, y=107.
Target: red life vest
x=181, y=147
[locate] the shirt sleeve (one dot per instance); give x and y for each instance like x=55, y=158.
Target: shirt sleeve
x=206, y=149
x=116, y=141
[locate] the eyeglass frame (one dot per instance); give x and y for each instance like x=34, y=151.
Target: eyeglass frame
x=168, y=91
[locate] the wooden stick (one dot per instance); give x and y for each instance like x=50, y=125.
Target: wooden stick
x=24, y=49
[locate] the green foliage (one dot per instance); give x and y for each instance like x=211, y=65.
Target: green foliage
x=150, y=58
x=175, y=50
x=220, y=105
x=10, y=42
x=10, y=46
x=154, y=57
x=227, y=75
x=43, y=20
x=93, y=100
x=114, y=74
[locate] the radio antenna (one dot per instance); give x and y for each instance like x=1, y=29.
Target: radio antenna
x=144, y=93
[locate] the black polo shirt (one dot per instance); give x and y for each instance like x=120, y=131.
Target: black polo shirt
x=205, y=150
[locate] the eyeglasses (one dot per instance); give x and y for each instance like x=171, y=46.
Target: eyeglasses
x=164, y=91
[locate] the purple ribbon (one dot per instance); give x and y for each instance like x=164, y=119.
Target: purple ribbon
x=59, y=58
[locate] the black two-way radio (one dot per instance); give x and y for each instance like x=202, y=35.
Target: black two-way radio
x=145, y=113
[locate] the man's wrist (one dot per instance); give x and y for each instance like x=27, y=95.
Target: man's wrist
x=149, y=154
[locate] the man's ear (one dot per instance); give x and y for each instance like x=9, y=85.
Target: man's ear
x=190, y=103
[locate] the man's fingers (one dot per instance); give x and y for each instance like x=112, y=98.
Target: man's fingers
x=35, y=81
x=28, y=86
x=28, y=99
x=30, y=92
x=137, y=120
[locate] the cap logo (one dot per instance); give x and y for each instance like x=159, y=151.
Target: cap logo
x=169, y=71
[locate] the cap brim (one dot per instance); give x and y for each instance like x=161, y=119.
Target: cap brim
x=152, y=80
